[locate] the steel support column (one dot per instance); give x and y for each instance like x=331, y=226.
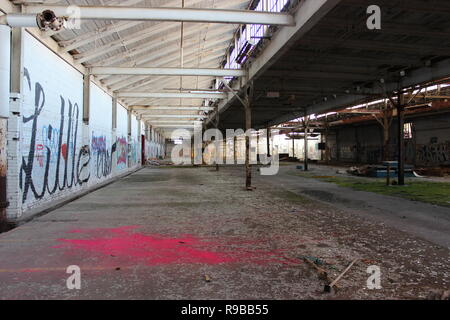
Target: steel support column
x=129, y=137
x=306, y=126
x=401, y=139
x=114, y=112
x=5, y=60
x=217, y=142
x=86, y=97
x=248, y=126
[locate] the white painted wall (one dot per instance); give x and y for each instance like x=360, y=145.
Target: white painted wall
x=60, y=156
x=51, y=129
x=122, y=138
x=100, y=132
x=154, y=145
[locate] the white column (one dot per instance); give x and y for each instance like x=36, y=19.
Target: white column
x=5, y=61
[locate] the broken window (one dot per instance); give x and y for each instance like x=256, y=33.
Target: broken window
x=407, y=129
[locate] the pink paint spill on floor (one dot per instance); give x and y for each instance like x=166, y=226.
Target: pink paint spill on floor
x=126, y=243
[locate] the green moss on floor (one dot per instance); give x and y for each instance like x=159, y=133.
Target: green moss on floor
x=292, y=197
x=425, y=191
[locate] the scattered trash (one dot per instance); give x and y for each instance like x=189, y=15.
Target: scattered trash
x=418, y=175
x=369, y=261
x=207, y=278
x=315, y=260
x=380, y=171
x=433, y=171
x=117, y=269
x=328, y=287
x=322, y=273
x=157, y=163
x=153, y=163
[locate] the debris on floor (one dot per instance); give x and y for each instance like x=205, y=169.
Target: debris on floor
x=433, y=171
x=157, y=162
x=380, y=171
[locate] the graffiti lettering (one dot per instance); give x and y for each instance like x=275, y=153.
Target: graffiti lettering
x=52, y=149
x=434, y=154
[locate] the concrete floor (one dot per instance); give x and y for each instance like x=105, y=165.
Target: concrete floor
x=193, y=233
x=430, y=222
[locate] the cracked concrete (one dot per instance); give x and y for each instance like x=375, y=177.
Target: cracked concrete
x=157, y=233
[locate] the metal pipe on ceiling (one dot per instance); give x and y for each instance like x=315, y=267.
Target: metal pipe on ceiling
x=172, y=95
x=168, y=71
x=44, y=20
x=170, y=14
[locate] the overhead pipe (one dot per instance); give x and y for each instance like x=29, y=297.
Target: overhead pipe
x=168, y=71
x=45, y=20
x=172, y=95
x=169, y=14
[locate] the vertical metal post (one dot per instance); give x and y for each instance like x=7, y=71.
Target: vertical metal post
x=327, y=148
x=114, y=127
x=248, y=126
x=114, y=112
x=129, y=137
x=293, y=146
x=217, y=142
x=388, y=177
x=86, y=97
x=203, y=143
x=401, y=139
x=268, y=141
x=234, y=149
x=306, y=126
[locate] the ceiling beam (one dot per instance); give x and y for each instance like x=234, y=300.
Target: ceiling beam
x=168, y=71
x=104, y=31
x=175, y=108
x=170, y=14
x=180, y=126
x=309, y=13
x=171, y=95
x=177, y=116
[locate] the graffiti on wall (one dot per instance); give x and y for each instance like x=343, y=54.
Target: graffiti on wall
x=61, y=165
x=122, y=152
x=102, y=155
x=133, y=153
x=433, y=154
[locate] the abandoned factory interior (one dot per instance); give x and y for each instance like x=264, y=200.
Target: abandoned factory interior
x=212, y=151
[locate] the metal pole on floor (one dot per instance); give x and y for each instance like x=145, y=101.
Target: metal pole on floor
x=268, y=142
